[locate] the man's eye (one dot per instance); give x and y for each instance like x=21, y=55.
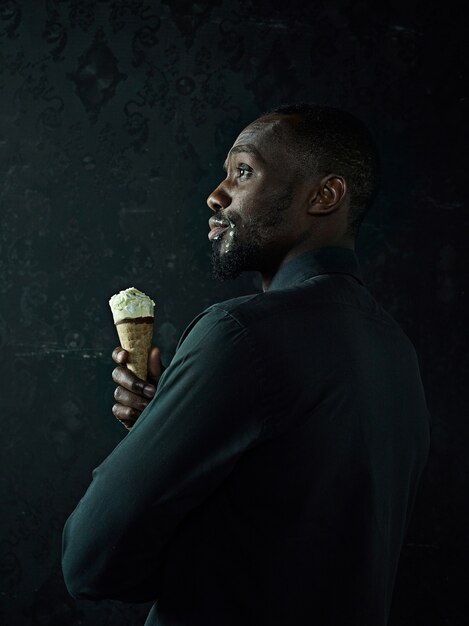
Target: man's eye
x=244, y=172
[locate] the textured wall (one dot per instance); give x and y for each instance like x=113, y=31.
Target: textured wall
x=115, y=118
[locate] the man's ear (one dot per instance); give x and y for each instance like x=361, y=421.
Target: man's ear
x=327, y=195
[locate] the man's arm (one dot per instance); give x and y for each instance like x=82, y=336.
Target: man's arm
x=208, y=409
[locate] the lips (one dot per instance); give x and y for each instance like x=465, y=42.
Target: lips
x=217, y=226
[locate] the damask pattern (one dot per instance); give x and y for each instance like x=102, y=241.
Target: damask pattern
x=115, y=119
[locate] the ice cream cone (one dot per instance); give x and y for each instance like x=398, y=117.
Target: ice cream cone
x=132, y=311
x=136, y=337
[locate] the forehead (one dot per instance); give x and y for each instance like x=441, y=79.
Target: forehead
x=268, y=137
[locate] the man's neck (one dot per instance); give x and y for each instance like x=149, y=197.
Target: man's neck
x=343, y=242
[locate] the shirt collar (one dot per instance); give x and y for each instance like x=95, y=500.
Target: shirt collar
x=329, y=260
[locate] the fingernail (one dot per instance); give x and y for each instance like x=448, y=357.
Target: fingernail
x=149, y=391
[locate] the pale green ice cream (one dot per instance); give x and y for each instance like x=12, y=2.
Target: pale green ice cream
x=131, y=303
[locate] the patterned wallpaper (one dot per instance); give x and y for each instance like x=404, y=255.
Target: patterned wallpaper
x=115, y=119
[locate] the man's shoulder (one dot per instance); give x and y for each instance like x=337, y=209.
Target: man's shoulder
x=234, y=306
x=241, y=311
x=332, y=289
x=318, y=297
x=246, y=310
x=237, y=310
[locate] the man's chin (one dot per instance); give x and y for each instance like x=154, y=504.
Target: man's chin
x=228, y=266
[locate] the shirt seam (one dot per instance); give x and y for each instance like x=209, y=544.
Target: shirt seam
x=322, y=301
x=305, y=275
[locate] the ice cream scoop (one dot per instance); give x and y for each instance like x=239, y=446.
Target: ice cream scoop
x=133, y=313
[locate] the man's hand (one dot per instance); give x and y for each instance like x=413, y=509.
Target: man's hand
x=133, y=394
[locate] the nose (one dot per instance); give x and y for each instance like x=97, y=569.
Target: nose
x=219, y=199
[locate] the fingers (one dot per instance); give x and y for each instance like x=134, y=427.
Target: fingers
x=155, y=366
x=127, y=379
x=120, y=355
x=130, y=400
x=132, y=394
x=129, y=408
x=126, y=415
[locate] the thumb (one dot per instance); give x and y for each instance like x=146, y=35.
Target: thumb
x=155, y=366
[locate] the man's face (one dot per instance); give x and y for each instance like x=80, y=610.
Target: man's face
x=259, y=202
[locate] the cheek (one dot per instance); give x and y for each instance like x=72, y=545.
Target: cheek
x=257, y=200
x=263, y=203
x=246, y=207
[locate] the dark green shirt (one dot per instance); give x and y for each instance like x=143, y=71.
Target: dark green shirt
x=271, y=478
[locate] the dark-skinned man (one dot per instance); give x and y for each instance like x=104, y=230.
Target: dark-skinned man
x=271, y=477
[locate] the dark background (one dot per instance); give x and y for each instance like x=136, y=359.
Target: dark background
x=115, y=121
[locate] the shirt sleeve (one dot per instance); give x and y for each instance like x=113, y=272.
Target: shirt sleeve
x=207, y=411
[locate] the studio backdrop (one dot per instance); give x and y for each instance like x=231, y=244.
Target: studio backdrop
x=115, y=119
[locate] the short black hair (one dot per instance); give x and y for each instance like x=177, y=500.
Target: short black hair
x=331, y=140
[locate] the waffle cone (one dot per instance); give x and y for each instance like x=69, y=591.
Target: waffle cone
x=136, y=339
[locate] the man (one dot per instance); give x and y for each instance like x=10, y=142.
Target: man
x=271, y=478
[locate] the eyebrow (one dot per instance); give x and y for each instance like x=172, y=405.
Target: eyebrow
x=248, y=148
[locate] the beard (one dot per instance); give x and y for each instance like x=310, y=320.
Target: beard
x=250, y=252
x=241, y=257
